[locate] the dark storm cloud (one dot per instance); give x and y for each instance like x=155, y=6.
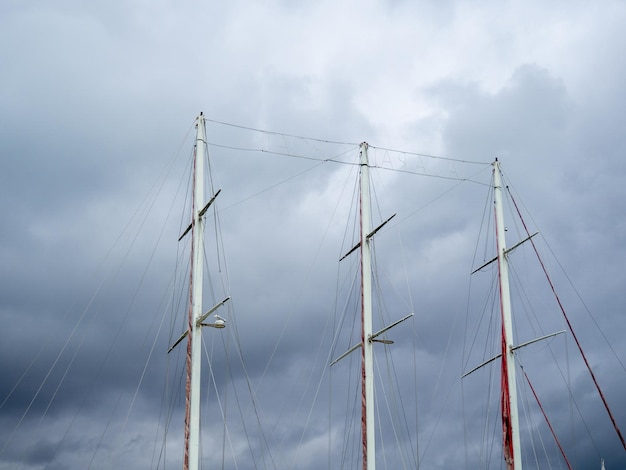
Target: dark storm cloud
x=96, y=98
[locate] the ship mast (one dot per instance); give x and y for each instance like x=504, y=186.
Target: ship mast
x=510, y=417
x=508, y=396
x=367, y=368
x=194, y=337
x=368, y=434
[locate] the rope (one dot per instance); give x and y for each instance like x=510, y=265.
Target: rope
x=569, y=325
x=546, y=418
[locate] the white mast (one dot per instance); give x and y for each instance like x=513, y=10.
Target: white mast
x=195, y=319
x=367, y=369
x=368, y=434
x=513, y=461
x=194, y=347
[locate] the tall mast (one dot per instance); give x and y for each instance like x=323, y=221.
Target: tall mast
x=510, y=417
x=368, y=434
x=367, y=380
x=194, y=340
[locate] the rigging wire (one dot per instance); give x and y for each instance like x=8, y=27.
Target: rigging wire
x=546, y=418
x=391, y=372
x=178, y=304
x=226, y=438
x=617, y=430
x=571, y=283
x=466, y=355
x=528, y=305
x=285, y=324
x=334, y=159
x=354, y=144
x=216, y=213
x=282, y=134
x=437, y=157
x=272, y=186
x=88, y=308
x=169, y=399
x=567, y=277
x=49, y=372
x=222, y=269
x=416, y=452
x=395, y=422
x=433, y=200
x=240, y=356
x=150, y=353
x=489, y=432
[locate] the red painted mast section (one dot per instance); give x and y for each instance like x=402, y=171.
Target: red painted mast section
x=505, y=396
x=505, y=407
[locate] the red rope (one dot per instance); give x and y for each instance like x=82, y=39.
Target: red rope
x=556, y=439
x=606, y=405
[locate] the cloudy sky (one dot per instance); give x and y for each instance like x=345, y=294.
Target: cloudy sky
x=97, y=105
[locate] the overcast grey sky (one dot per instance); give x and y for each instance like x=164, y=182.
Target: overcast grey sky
x=95, y=101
